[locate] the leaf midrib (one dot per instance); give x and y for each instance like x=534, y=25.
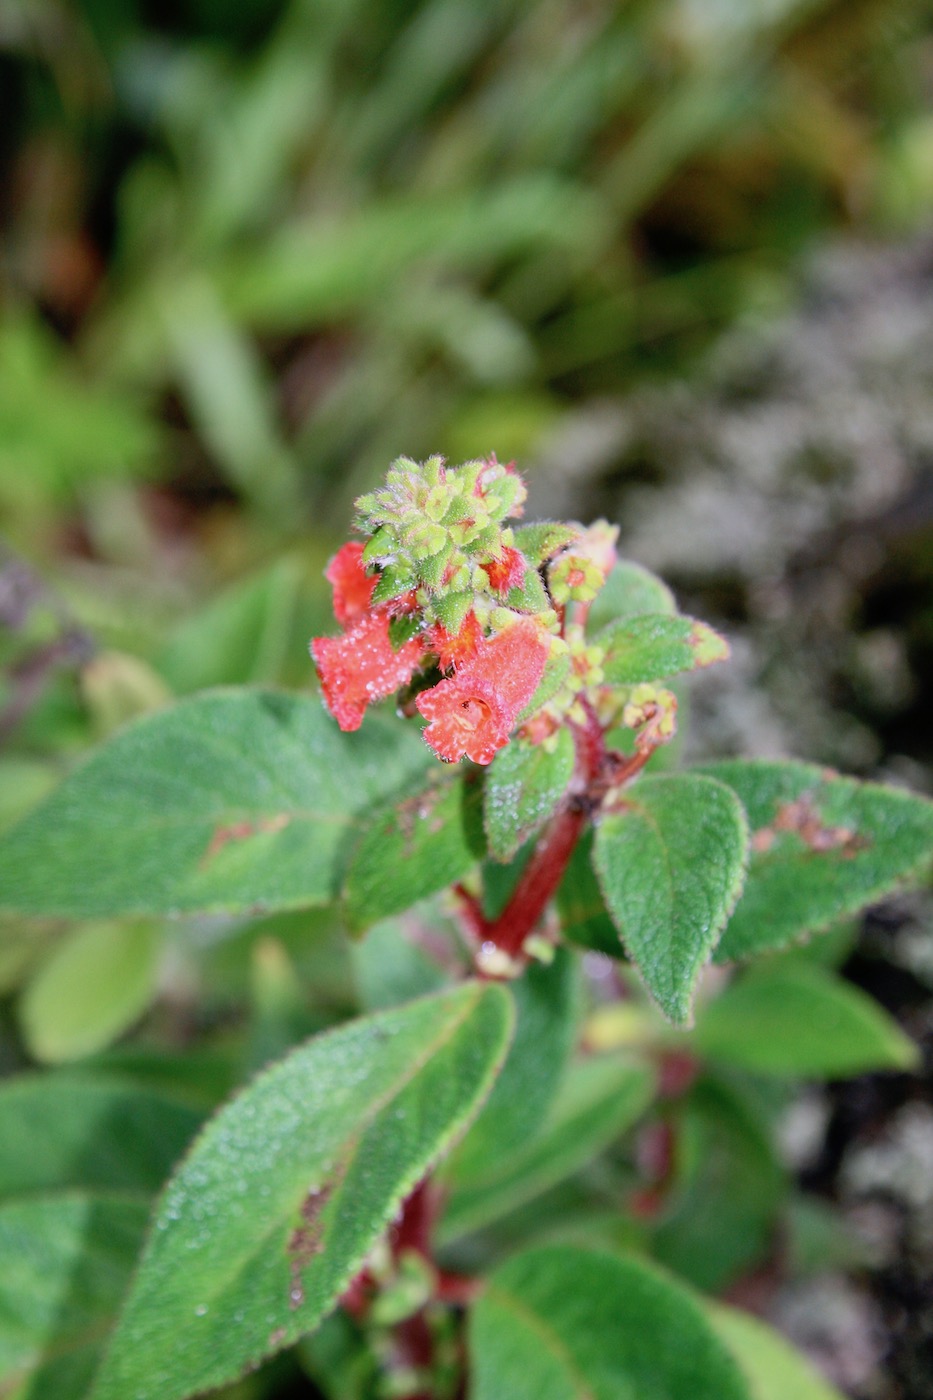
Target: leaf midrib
x=551, y=1339
x=372, y=1112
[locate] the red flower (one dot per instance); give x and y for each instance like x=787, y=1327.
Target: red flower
x=360, y=667
x=508, y=571
x=353, y=587
x=454, y=651
x=475, y=710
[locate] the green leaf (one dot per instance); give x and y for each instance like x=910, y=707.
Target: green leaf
x=542, y=539
x=451, y=610
x=546, y=1002
x=728, y=1191
x=521, y=790
x=601, y=1097
x=773, y=1370
x=563, y=1323
x=66, y=1263
x=411, y=849
x=629, y=591
x=798, y=1020
x=77, y=1130
x=655, y=646
x=96, y=982
x=822, y=846
x=670, y=862
x=291, y=1185
x=580, y=904
x=529, y=596
x=234, y=801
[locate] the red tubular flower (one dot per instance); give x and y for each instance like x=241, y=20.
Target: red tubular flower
x=456, y=650
x=353, y=587
x=475, y=710
x=360, y=667
x=508, y=571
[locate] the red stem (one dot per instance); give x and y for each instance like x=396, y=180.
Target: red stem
x=538, y=883
x=545, y=870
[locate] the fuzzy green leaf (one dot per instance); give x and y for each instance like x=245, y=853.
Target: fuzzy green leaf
x=602, y=1096
x=773, y=1370
x=451, y=610
x=656, y=646
x=798, y=1020
x=563, y=1323
x=242, y=800
x=629, y=591
x=292, y=1183
x=528, y=596
x=670, y=861
x=542, y=539
x=75, y=1130
x=522, y=787
x=66, y=1262
x=546, y=1003
x=95, y=983
x=822, y=847
x=411, y=849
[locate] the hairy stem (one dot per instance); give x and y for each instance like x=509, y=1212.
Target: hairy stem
x=542, y=875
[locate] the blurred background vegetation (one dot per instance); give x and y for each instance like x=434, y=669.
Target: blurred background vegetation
x=671, y=255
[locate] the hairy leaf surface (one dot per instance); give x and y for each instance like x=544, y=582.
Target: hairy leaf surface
x=241, y=800
x=292, y=1183
x=822, y=847
x=670, y=861
x=656, y=646
x=522, y=788
x=411, y=849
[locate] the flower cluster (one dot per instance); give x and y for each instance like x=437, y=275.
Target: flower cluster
x=441, y=585
x=480, y=622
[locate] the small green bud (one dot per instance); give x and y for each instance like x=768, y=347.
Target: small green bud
x=383, y=544
x=451, y=609
x=432, y=570
x=424, y=538
x=393, y=582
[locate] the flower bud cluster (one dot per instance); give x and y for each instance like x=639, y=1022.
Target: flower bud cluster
x=441, y=585
x=439, y=532
x=482, y=623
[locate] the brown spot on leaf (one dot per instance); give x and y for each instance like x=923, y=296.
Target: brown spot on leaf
x=803, y=817
x=277, y=1337
x=304, y=1242
x=239, y=831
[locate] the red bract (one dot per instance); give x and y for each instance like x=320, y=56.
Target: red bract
x=475, y=710
x=506, y=572
x=353, y=587
x=455, y=650
x=360, y=667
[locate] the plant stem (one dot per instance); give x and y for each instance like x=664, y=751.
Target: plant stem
x=542, y=875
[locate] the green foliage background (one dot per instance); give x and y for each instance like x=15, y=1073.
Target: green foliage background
x=251, y=253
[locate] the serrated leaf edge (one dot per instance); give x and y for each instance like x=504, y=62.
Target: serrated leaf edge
x=685, y=1022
